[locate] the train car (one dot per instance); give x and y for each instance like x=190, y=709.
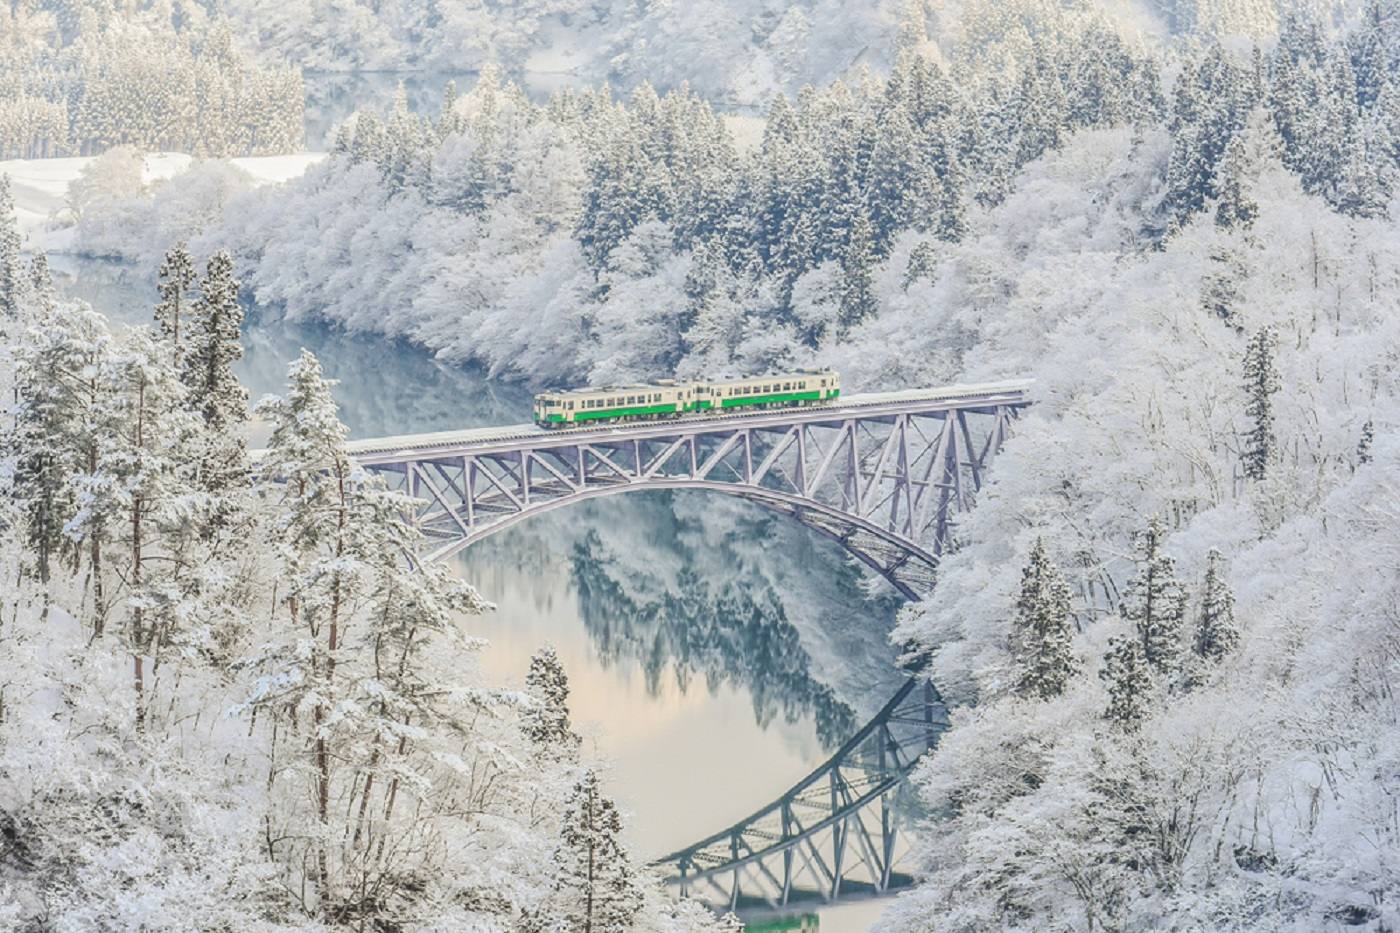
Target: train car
x=804, y=387
x=671, y=399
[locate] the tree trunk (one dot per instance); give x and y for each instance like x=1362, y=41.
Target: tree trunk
x=136, y=612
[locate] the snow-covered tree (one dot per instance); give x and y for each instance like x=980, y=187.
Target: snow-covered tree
x=41, y=290
x=11, y=265
x=1216, y=634
x=1234, y=207
x=1155, y=601
x=1043, y=629
x=547, y=722
x=1368, y=437
x=857, y=273
x=213, y=345
x=136, y=498
x=595, y=886
x=374, y=788
x=49, y=435
x=1261, y=382
x=1129, y=683
x=176, y=276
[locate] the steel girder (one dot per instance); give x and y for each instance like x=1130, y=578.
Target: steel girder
x=888, y=484
x=833, y=835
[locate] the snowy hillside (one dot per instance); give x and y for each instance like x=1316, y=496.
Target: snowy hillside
x=732, y=52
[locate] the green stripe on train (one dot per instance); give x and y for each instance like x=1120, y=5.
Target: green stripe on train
x=595, y=413
x=769, y=399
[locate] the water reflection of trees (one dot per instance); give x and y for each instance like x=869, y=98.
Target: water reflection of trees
x=727, y=633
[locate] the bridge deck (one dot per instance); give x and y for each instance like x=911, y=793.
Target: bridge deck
x=373, y=450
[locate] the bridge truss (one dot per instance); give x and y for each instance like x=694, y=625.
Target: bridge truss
x=885, y=475
x=834, y=835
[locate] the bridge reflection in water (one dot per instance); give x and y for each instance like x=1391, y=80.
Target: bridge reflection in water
x=835, y=835
x=885, y=475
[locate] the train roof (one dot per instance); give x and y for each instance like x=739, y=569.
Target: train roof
x=681, y=383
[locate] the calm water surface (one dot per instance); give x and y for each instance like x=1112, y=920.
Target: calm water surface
x=716, y=652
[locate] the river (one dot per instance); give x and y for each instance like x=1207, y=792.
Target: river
x=716, y=652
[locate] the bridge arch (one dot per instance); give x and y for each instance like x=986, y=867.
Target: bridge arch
x=907, y=566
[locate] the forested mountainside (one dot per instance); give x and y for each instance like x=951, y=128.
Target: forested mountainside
x=739, y=52
x=639, y=238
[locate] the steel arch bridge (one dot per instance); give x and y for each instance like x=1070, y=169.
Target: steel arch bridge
x=885, y=474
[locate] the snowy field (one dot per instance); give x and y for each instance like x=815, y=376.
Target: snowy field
x=41, y=186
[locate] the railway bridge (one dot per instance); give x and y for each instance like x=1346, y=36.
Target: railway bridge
x=884, y=474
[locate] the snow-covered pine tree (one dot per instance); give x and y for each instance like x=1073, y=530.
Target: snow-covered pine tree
x=1370, y=55
x=1216, y=634
x=547, y=722
x=135, y=498
x=449, y=121
x=858, y=275
x=1261, y=381
x=48, y=436
x=308, y=475
x=368, y=142
x=11, y=264
x=1211, y=107
x=1129, y=684
x=213, y=392
x=1155, y=601
x=176, y=276
x=1043, y=631
x=1234, y=208
x=595, y=887
x=1363, y=446
x=41, y=286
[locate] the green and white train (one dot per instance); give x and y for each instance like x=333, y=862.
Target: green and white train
x=668, y=398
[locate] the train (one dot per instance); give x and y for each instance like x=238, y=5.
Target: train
x=670, y=398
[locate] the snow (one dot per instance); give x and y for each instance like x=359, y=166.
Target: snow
x=41, y=185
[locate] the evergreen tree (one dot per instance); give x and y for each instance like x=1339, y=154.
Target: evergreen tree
x=11, y=265
x=1216, y=635
x=1363, y=446
x=1155, y=601
x=1043, y=628
x=595, y=888
x=1220, y=292
x=1234, y=208
x=1370, y=55
x=1211, y=107
x=1261, y=381
x=48, y=436
x=449, y=121
x=1129, y=685
x=858, y=275
x=214, y=393
x=41, y=285
x=176, y=276
x=547, y=723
